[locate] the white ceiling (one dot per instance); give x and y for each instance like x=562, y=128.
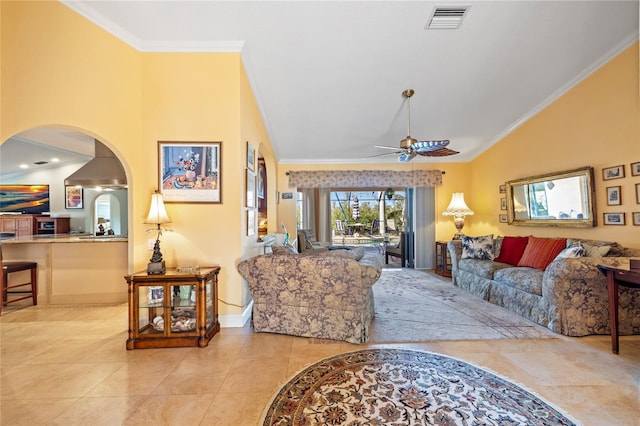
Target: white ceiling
x=328, y=75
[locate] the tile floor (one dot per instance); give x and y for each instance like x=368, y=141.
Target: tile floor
x=69, y=366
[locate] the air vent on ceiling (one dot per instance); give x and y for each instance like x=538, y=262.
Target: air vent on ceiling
x=448, y=18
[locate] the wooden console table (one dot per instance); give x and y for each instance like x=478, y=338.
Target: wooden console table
x=443, y=259
x=174, y=309
x=616, y=277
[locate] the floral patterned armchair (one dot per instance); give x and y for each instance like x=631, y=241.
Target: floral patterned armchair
x=324, y=295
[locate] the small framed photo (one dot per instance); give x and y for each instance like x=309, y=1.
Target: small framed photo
x=613, y=196
x=614, y=219
x=156, y=295
x=251, y=189
x=73, y=197
x=251, y=157
x=251, y=222
x=637, y=193
x=636, y=218
x=615, y=172
x=635, y=169
x=503, y=203
x=287, y=195
x=190, y=172
x=502, y=189
x=502, y=218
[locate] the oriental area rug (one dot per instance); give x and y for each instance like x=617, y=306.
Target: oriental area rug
x=404, y=387
x=417, y=306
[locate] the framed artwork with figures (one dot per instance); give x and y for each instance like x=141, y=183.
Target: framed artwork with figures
x=73, y=197
x=190, y=172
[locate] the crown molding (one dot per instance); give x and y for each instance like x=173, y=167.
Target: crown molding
x=230, y=46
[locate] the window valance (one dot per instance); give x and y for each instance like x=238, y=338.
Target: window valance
x=364, y=178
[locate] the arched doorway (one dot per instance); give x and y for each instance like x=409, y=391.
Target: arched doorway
x=49, y=156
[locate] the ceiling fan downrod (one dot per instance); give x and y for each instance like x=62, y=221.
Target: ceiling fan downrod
x=408, y=141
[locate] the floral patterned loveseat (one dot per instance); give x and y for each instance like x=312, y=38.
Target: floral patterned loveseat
x=324, y=295
x=568, y=296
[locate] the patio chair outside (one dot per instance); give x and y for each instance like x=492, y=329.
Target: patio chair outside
x=391, y=226
x=340, y=227
x=375, y=227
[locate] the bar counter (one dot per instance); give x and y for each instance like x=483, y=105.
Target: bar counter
x=73, y=269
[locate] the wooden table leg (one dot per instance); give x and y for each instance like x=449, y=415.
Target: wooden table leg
x=612, y=286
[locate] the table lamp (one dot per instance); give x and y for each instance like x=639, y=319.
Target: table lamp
x=458, y=209
x=158, y=216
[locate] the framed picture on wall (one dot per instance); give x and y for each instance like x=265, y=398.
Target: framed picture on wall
x=190, y=172
x=503, y=203
x=637, y=193
x=73, y=197
x=636, y=218
x=635, y=169
x=613, y=196
x=614, y=218
x=251, y=157
x=251, y=189
x=502, y=218
x=251, y=222
x=615, y=172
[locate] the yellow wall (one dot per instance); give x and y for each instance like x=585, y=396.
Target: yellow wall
x=71, y=73
x=593, y=124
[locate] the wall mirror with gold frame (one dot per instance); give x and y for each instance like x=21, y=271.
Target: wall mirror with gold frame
x=564, y=199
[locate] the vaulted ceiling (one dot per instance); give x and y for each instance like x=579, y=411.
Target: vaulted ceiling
x=329, y=75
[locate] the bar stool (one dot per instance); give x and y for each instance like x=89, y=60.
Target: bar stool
x=17, y=266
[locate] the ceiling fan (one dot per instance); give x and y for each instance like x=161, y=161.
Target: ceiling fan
x=410, y=147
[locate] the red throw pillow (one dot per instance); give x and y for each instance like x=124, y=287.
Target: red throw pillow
x=540, y=252
x=512, y=249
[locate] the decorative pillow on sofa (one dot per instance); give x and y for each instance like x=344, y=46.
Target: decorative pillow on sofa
x=593, y=248
x=540, y=252
x=573, y=251
x=512, y=249
x=477, y=247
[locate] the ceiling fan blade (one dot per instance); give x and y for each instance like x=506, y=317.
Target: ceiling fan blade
x=432, y=145
x=395, y=148
x=442, y=152
x=382, y=155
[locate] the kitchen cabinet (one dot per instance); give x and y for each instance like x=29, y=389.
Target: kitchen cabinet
x=20, y=225
x=173, y=309
x=52, y=225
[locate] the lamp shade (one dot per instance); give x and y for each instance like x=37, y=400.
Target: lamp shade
x=457, y=206
x=157, y=212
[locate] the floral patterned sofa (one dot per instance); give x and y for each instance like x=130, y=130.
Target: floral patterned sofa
x=568, y=295
x=324, y=295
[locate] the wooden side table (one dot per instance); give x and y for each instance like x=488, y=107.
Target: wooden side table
x=443, y=259
x=616, y=277
x=174, y=309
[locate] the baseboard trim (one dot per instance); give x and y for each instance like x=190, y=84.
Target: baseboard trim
x=236, y=320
